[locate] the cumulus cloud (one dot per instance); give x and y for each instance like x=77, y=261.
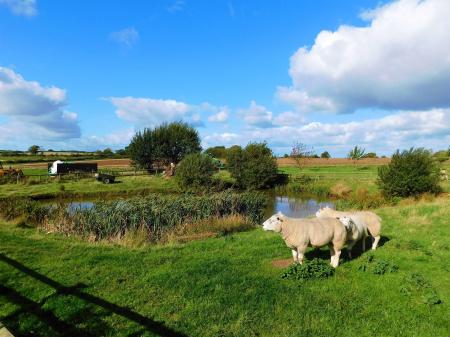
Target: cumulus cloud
x=33, y=111
x=126, y=37
x=21, y=7
x=221, y=116
x=150, y=112
x=399, y=61
x=400, y=130
x=257, y=115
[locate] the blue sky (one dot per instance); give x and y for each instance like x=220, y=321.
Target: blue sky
x=331, y=74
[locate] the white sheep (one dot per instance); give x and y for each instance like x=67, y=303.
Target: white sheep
x=298, y=234
x=369, y=220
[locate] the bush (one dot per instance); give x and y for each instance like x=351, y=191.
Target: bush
x=314, y=269
x=253, y=167
x=195, y=172
x=325, y=154
x=410, y=173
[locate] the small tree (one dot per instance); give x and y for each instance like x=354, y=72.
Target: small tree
x=371, y=155
x=254, y=167
x=356, y=153
x=165, y=144
x=34, y=149
x=217, y=151
x=300, y=152
x=325, y=154
x=173, y=141
x=195, y=172
x=108, y=152
x=141, y=149
x=410, y=173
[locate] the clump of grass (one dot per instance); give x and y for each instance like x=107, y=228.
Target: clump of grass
x=311, y=269
x=362, y=199
x=340, y=190
x=377, y=267
x=416, y=285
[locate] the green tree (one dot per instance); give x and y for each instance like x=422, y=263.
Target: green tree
x=356, y=153
x=165, y=144
x=410, y=173
x=195, y=172
x=253, y=167
x=141, y=149
x=173, y=141
x=371, y=155
x=34, y=149
x=325, y=154
x=107, y=152
x=217, y=151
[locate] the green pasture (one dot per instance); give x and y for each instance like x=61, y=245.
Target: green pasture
x=52, y=285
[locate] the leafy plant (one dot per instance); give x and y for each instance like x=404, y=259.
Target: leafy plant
x=417, y=285
x=410, y=173
x=377, y=267
x=311, y=269
x=165, y=144
x=356, y=153
x=253, y=167
x=195, y=172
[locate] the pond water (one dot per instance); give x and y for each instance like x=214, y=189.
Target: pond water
x=296, y=207
x=291, y=206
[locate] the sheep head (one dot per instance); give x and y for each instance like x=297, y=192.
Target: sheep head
x=347, y=222
x=274, y=222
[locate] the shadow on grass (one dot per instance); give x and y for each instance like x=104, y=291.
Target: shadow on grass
x=356, y=251
x=64, y=328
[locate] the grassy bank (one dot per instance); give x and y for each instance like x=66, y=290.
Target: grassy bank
x=88, y=187
x=225, y=286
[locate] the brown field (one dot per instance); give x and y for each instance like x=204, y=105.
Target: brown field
x=283, y=162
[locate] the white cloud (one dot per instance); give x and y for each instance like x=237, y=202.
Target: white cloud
x=21, y=7
x=221, y=116
x=150, y=112
x=399, y=61
x=126, y=37
x=257, y=115
x=33, y=111
x=176, y=6
x=400, y=130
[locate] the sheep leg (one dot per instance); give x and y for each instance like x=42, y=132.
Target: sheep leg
x=364, y=244
x=376, y=239
x=332, y=253
x=349, y=248
x=295, y=254
x=336, y=256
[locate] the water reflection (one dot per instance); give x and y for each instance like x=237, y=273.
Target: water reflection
x=296, y=207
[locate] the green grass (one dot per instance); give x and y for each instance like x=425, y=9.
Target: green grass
x=224, y=286
x=89, y=187
x=352, y=175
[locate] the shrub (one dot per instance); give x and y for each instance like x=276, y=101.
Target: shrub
x=416, y=285
x=313, y=269
x=253, y=167
x=377, y=267
x=195, y=172
x=410, y=173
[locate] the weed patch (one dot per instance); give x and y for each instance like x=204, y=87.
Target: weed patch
x=417, y=286
x=313, y=269
x=377, y=267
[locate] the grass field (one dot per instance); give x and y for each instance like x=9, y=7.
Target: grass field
x=88, y=187
x=55, y=285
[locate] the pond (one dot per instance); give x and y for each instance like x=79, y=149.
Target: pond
x=291, y=206
x=295, y=207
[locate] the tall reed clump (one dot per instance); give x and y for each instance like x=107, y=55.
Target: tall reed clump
x=156, y=213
